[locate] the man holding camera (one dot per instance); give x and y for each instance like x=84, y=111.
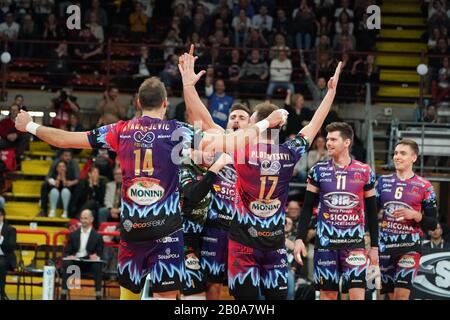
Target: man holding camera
x=64, y=105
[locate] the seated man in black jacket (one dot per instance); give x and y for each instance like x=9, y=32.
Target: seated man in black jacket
x=7, y=256
x=84, y=249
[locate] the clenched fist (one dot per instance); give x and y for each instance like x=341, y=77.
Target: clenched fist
x=22, y=119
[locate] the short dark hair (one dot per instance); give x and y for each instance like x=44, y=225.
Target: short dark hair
x=152, y=93
x=411, y=143
x=14, y=105
x=240, y=106
x=344, y=129
x=18, y=96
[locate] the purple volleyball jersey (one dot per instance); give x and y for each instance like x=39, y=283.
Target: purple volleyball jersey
x=262, y=191
x=149, y=151
x=415, y=193
x=340, y=218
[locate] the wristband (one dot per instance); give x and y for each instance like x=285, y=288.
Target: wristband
x=32, y=127
x=262, y=125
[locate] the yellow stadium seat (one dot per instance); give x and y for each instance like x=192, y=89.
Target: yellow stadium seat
x=36, y=167
x=23, y=188
x=23, y=209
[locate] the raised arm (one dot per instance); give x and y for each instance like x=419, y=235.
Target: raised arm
x=195, y=109
x=321, y=113
x=56, y=137
x=237, y=140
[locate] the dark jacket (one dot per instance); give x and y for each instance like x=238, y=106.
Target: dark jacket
x=9, y=244
x=94, y=244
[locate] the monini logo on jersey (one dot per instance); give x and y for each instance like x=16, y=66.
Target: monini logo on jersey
x=356, y=259
x=341, y=200
x=145, y=192
x=407, y=262
x=265, y=209
x=391, y=206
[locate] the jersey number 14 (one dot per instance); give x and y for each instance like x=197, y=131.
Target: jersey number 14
x=147, y=164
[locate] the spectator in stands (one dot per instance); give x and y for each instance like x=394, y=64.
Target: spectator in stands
x=219, y=103
x=10, y=137
x=345, y=4
x=110, y=108
x=171, y=42
x=61, y=189
x=89, y=193
x=9, y=30
x=279, y=44
x=99, y=12
x=280, y=74
x=343, y=19
x=365, y=38
x=241, y=25
x=64, y=105
x=282, y=24
x=433, y=38
x=344, y=43
x=132, y=107
x=431, y=115
x=318, y=90
x=253, y=71
x=263, y=21
x=440, y=87
x=442, y=48
x=439, y=19
x=52, y=32
x=323, y=27
x=96, y=28
x=299, y=115
x=2, y=200
x=200, y=25
x=74, y=124
x=345, y=31
x=138, y=22
x=27, y=32
x=231, y=73
x=317, y=153
x=198, y=42
x=8, y=239
x=436, y=239
x=111, y=210
x=19, y=100
x=58, y=68
x=170, y=75
x=256, y=39
x=84, y=249
x=293, y=212
x=303, y=23
x=182, y=12
x=243, y=5
x=141, y=66
x=72, y=176
x=365, y=72
x=103, y=160
x=324, y=8
x=91, y=51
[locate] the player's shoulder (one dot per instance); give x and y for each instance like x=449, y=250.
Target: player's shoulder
x=360, y=165
x=324, y=165
x=421, y=181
